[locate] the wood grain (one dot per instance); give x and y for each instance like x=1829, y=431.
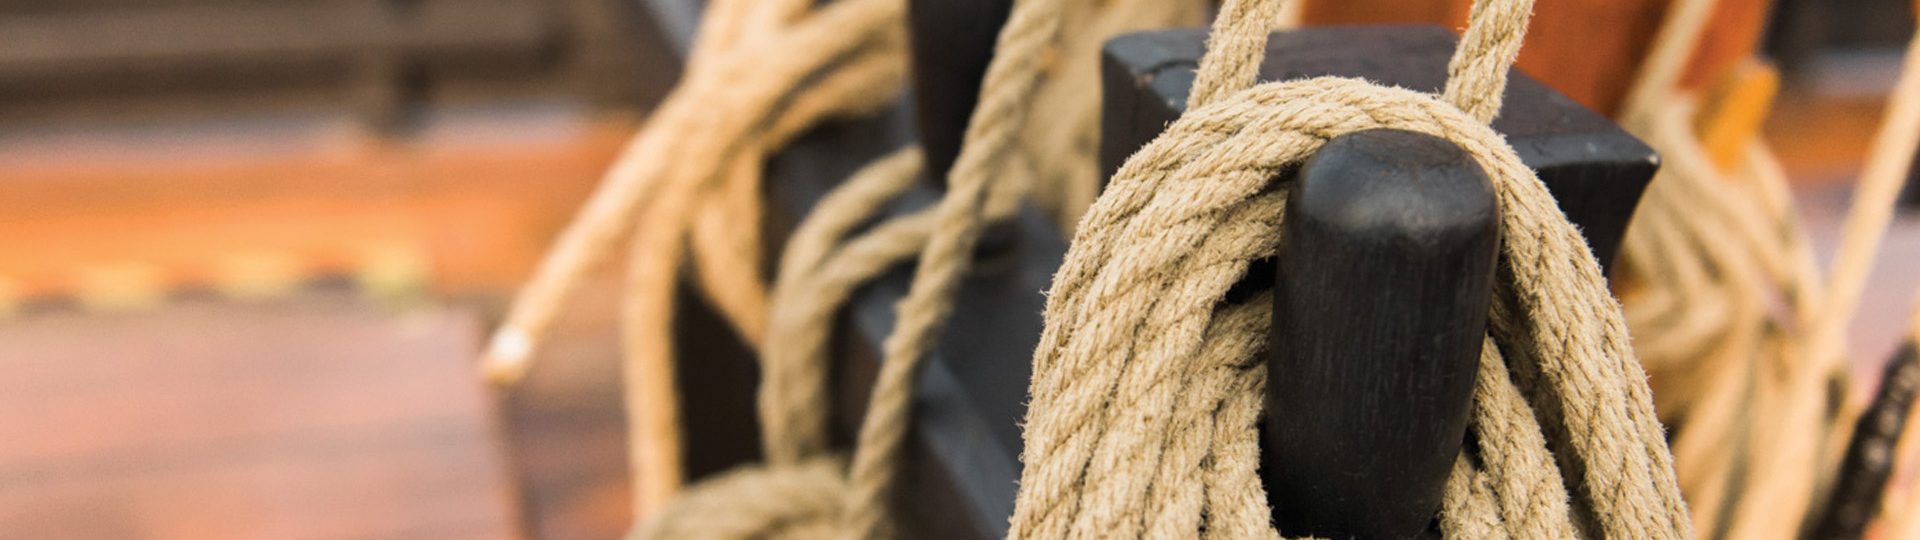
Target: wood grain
x=322, y=419
x=1380, y=302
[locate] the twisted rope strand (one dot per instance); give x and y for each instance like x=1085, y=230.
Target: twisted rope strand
x=646, y=332
x=1744, y=341
x=824, y=264
x=1123, y=320
x=1032, y=28
x=1104, y=296
x=749, y=79
x=793, y=383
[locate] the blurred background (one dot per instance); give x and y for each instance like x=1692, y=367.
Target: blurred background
x=249, y=249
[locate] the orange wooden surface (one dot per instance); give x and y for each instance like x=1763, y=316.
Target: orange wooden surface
x=1588, y=49
x=1734, y=109
x=328, y=418
x=472, y=213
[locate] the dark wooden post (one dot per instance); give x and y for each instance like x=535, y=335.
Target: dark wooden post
x=1594, y=169
x=1378, y=321
x=1868, y=465
x=1380, y=307
x=952, y=42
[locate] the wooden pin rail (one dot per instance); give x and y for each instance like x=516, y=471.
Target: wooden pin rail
x=963, y=462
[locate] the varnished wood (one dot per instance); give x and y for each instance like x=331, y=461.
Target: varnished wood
x=326, y=417
x=377, y=58
x=1734, y=109
x=471, y=214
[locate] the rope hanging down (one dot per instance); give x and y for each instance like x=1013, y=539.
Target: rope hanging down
x=1718, y=282
x=762, y=71
x=821, y=268
x=1144, y=394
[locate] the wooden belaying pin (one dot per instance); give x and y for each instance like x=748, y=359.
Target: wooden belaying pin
x=1380, y=308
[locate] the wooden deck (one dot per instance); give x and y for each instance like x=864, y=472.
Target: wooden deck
x=321, y=416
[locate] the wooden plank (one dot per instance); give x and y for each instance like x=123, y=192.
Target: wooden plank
x=1734, y=109
x=325, y=418
x=470, y=213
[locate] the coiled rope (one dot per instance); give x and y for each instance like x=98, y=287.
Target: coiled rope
x=694, y=169
x=1530, y=423
x=1743, y=342
x=1145, y=389
x=762, y=71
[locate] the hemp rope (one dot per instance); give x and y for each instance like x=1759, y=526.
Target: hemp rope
x=758, y=77
x=1722, y=294
x=724, y=228
x=816, y=277
x=1056, y=162
x=705, y=234
x=1062, y=151
x=646, y=330
x=1126, y=435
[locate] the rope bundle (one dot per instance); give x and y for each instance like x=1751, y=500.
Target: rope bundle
x=1743, y=341
x=1145, y=391
x=800, y=491
x=762, y=72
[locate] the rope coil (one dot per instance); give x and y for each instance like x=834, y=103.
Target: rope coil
x=823, y=265
x=1744, y=341
x=1128, y=431
x=1145, y=390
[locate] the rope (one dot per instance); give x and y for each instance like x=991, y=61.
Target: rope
x=1875, y=196
x=1061, y=151
x=762, y=72
x=774, y=68
x=1144, y=395
x=1700, y=261
x=823, y=265
x=1743, y=343
x=1871, y=210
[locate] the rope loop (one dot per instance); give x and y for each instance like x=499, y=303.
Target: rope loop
x=1135, y=428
